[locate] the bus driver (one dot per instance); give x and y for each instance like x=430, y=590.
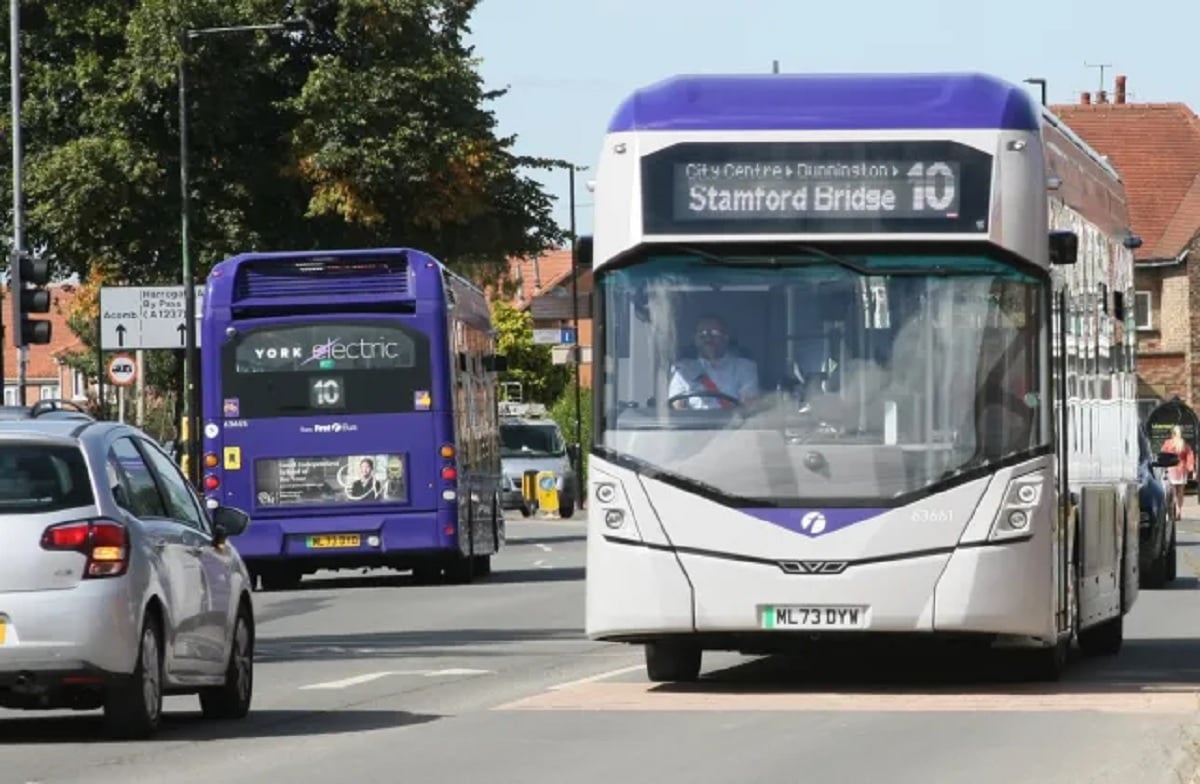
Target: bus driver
x=714, y=373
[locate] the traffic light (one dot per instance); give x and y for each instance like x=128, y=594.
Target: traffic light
x=29, y=276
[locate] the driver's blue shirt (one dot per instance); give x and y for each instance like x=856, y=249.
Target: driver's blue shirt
x=735, y=376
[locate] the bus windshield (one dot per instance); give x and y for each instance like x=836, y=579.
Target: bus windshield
x=327, y=367
x=815, y=378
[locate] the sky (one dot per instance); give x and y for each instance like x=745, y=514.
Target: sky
x=570, y=63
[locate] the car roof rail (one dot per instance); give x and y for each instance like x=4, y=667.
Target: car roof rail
x=70, y=409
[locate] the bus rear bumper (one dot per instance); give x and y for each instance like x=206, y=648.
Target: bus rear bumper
x=346, y=541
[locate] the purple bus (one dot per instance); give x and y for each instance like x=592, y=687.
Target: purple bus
x=350, y=408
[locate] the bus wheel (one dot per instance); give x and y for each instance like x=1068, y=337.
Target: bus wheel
x=461, y=570
x=483, y=565
x=673, y=660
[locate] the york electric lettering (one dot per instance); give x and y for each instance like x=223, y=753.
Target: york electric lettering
x=335, y=349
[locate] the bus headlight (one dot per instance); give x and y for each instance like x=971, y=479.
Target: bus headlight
x=606, y=492
x=612, y=506
x=1015, y=517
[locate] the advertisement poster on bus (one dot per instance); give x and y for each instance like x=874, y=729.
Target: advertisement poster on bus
x=341, y=479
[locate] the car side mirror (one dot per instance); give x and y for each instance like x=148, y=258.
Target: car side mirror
x=228, y=521
x=1167, y=460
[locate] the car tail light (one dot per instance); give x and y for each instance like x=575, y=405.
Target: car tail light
x=104, y=542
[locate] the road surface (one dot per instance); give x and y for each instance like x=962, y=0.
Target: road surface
x=375, y=680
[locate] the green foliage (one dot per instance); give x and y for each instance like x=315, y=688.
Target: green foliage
x=541, y=380
x=372, y=128
x=563, y=412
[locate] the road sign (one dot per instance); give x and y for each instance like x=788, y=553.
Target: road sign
x=554, y=336
x=133, y=317
x=122, y=370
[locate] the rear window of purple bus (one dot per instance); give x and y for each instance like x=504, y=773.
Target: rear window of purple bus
x=327, y=367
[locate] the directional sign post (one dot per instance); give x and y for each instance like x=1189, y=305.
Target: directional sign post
x=144, y=317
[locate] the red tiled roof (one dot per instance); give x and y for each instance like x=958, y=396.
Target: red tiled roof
x=538, y=274
x=1156, y=149
x=42, y=363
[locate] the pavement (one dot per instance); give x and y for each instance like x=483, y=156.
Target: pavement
x=374, y=679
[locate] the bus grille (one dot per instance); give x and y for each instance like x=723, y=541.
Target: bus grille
x=323, y=277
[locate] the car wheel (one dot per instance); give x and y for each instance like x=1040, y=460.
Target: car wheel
x=133, y=704
x=232, y=699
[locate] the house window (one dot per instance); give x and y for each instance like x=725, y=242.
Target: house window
x=10, y=396
x=78, y=385
x=1142, y=317
x=50, y=392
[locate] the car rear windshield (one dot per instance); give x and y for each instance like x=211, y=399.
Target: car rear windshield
x=37, y=478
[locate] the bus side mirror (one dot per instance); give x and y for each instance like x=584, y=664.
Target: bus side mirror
x=1064, y=247
x=583, y=252
x=495, y=363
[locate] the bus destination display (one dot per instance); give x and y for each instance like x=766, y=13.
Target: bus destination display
x=840, y=189
x=816, y=187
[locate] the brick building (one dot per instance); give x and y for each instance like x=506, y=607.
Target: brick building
x=545, y=290
x=47, y=376
x=1156, y=149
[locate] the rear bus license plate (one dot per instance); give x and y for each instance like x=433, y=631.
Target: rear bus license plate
x=333, y=541
x=813, y=617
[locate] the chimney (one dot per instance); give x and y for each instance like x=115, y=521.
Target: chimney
x=1085, y=99
x=1101, y=96
x=1120, y=95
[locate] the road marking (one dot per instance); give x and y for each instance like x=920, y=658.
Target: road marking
x=348, y=682
x=650, y=697
x=357, y=680
x=545, y=548
x=594, y=678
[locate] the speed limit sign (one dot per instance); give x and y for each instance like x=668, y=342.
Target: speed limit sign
x=122, y=370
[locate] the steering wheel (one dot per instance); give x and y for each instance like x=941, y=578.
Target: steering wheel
x=703, y=393
x=43, y=406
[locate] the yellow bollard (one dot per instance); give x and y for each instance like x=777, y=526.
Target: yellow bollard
x=547, y=491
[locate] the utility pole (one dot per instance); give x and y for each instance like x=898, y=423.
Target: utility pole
x=575, y=317
x=18, y=240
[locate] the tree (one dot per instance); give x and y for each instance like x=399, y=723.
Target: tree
x=533, y=366
x=372, y=128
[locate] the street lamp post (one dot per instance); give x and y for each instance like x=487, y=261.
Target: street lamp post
x=192, y=400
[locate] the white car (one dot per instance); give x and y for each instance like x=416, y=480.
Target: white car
x=117, y=585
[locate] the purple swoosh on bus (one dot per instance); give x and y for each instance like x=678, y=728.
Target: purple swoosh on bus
x=320, y=352
x=815, y=522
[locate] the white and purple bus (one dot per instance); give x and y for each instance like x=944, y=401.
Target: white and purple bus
x=865, y=369
x=350, y=408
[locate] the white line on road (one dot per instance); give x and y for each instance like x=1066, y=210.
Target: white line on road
x=347, y=682
x=594, y=678
x=374, y=676
x=545, y=548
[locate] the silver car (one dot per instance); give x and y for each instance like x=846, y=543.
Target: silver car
x=117, y=585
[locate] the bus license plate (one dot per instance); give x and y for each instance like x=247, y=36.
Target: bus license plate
x=334, y=541
x=813, y=617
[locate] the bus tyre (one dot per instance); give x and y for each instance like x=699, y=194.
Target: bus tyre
x=672, y=660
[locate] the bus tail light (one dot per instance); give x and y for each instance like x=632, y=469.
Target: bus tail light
x=211, y=482
x=1015, y=519
x=211, y=461
x=104, y=542
x=447, y=452
x=449, y=473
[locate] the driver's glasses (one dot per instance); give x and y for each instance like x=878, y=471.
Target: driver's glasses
x=710, y=334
